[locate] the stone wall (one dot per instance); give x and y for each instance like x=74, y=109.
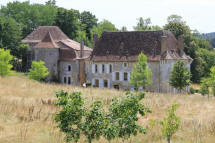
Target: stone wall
x=50, y=56
x=72, y=73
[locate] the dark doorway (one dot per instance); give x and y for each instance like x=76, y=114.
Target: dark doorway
x=116, y=86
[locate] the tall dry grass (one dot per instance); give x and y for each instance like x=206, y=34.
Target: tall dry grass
x=27, y=111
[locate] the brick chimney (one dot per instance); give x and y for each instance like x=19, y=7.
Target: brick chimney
x=163, y=44
x=181, y=44
x=82, y=49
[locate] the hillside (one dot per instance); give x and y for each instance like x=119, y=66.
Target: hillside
x=27, y=110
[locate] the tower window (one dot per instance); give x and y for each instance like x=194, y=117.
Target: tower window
x=125, y=65
x=96, y=68
x=69, y=67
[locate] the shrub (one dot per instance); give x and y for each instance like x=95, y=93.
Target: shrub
x=38, y=71
x=192, y=90
x=5, y=59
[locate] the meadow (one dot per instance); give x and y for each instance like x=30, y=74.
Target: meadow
x=27, y=111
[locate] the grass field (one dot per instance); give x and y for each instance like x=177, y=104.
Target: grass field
x=27, y=110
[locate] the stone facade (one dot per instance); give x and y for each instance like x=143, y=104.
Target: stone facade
x=110, y=63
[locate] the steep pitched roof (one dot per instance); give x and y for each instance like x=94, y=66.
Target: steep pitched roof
x=126, y=46
x=39, y=34
x=47, y=42
x=75, y=45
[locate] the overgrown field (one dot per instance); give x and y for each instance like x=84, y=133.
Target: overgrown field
x=27, y=111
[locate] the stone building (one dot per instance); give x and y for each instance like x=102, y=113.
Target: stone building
x=63, y=56
x=115, y=53
x=110, y=63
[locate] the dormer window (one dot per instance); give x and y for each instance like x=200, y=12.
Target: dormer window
x=69, y=67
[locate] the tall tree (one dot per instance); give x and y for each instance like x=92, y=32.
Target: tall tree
x=68, y=21
x=88, y=21
x=51, y=2
x=141, y=74
x=145, y=25
x=180, y=76
x=5, y=59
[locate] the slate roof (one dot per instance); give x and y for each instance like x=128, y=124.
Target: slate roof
x=126, y=46
x=47, y=42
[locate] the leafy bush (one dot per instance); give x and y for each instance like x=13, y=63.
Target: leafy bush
x=5, y=59
x=192, y=90
x=38, y=71
x=120, y=120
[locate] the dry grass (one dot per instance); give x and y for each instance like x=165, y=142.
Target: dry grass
x=27, y=110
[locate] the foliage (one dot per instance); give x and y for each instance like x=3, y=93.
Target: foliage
x=204, y=87
x=145, y=24
x=124, y=29
x=170, y=124
x=180, y=75
x=38, y=71
x=103, y=26
x=5, y=59
x=141, y=74
x=30, y=16
x=10, y=34
x=175, y=18
x=51, y=2
x=120, y=121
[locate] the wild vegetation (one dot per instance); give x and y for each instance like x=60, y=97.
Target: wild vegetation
x=27, y=114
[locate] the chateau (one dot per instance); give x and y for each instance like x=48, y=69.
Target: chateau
x=110, y=62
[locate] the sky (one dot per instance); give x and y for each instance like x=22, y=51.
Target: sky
x=198, y=14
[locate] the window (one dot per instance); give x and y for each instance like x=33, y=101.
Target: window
x=96, y=83
x=110, y=68
x=125, y=65
x=96, y=68
x=125, y=76
x=69, y=80
x=64, y=80
x=69, y=68
x=117, y=75
x=103, y=68
x=106, y=83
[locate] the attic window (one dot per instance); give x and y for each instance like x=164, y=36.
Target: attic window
x=125, y=65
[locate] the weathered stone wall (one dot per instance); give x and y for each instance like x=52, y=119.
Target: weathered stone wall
x=50, y=56
x=73, y=73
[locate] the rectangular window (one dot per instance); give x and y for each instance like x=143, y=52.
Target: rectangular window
x=117, y=75
x=96, y=68
x=69, y=80
x=105, y=83
x=103, y=68
x=125, y=65
x=69, y=68
x=110, y=68
x=96, y=83
x=125, y=76
x=64, y=80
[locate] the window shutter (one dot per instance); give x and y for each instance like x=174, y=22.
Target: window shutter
x=101, y=83
x=93, y=68
x=100, y=68
x=121, y=76
x=129, y=74
x=108, y=83
x=113, y=76
x=107, y=68
x=93, y=82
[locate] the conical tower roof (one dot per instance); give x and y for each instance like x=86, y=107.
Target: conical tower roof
x=47, y=42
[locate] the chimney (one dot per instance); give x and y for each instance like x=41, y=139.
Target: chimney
x=181, y=44
x=82, y=49
x=163, y=44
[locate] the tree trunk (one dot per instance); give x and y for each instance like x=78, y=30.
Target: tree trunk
x=168, y=139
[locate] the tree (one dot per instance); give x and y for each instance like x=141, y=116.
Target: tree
x=121, y=120
x=146, y=25
x=5, y=59
x=180, y=76
x=68, y=21
x=204, y=87
x=103, y=26
x=51, y=2
x=141, y=74
x=170, y=124
x=38, y=71
x=124, y=29
x=88, y=21
x=175, y=18
x=210, y=81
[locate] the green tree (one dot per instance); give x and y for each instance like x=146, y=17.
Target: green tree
x=170, y=124
x=5, y=59
x=146, y=25
x=103, y=26
x=211, y=79
x=88, y=20
x=141, y=74
x=68, y=21
x=29, y=16
x=38, y=71
x=120, y=121
x=51, y=2
x=204, y=87
x=180, y=76
x=175, y=18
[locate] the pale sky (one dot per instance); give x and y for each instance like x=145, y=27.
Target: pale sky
x=199, y=14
